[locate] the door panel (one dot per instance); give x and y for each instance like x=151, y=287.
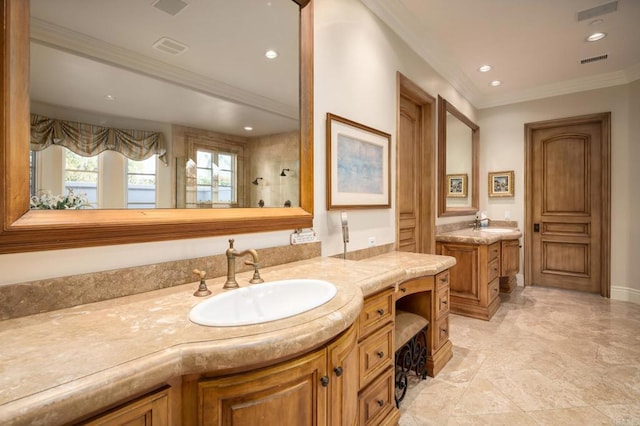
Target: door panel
x=567, y=200
x=408, y=170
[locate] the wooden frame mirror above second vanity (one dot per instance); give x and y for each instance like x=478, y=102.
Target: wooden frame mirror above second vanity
x=458, y=140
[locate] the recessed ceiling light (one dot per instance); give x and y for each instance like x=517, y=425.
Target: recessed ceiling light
x=495, y=83
x=271, y=54
x=596, y=36
x=248, y=128
x=485, y=68
x=110, y=97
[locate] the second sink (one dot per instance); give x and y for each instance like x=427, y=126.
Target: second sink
x=262, y=302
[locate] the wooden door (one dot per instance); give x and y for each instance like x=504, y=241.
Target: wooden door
x=568, y=203
x=415, y=173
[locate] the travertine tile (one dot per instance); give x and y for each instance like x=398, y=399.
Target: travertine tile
x=558, y=357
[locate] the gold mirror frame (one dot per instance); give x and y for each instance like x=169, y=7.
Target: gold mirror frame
x=25, y=230
x=443, y=210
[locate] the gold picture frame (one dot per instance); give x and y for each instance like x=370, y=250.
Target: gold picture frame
x=501, y=184
x=457, y=186
x=358, y=165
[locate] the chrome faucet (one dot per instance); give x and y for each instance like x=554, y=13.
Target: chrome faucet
x=231, y=266
x=475, y=224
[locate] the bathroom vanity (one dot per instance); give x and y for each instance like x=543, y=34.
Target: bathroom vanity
x=486, y=264
x=138, y=358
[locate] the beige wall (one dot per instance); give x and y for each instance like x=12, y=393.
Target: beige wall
x=502, y=148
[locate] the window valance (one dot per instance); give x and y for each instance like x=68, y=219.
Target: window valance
x=89, y=140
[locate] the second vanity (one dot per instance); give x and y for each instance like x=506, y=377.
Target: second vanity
x=487, y=261
x=140, y=358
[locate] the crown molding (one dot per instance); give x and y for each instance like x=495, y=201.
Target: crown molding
x=402, y=22
x=584, y=84
x=48, y=34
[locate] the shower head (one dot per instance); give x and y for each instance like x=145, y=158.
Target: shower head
x=255, y=181
x=282, y=173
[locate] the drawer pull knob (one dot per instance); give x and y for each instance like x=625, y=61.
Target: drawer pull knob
x=403, y=289
x=380, y=312
x=380, y=402
x=443, y=279
x=338, y=371
x=324, y=381
x=380, y=354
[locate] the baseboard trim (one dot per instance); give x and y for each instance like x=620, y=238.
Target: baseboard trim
x=626, y=294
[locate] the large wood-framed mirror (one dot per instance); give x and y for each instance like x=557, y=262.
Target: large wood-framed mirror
x=31, y=230
x=458, y=139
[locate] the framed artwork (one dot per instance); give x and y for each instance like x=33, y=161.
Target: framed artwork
x=457, y=186
x=358, y=164
x=501, y=184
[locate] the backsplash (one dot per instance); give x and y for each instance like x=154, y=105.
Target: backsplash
x=28, y=298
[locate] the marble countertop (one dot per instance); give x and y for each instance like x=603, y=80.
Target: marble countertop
x=59, y=365
x=477, y=237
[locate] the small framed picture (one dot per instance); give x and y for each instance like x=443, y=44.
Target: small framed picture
x=501, y=184
x=457, y=186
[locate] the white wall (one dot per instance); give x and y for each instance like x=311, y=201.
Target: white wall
x=356, y=61
x=502, y=148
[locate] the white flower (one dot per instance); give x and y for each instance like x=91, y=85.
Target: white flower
x=48, y=201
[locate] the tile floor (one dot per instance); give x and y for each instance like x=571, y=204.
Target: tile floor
x=547, y=357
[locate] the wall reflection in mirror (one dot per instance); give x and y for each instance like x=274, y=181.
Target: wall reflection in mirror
x=178, y=108
x=459, y=149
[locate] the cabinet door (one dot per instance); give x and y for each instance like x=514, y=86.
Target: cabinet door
x=149, y=410
x=463, y=281
x=343, y=379
x=289, y=394
x=510, y=258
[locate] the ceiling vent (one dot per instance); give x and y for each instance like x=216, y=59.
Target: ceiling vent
x=170, y=46
x=598, y=10
x=593, y=59
x=172, y=7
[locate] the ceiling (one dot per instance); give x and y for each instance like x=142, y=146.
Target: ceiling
x=534, y=46
x=96, y=60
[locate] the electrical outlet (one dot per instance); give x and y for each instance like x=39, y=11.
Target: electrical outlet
x=372, y=241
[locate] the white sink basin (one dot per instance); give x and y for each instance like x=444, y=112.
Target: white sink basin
x=262, y=302
x=497, y=230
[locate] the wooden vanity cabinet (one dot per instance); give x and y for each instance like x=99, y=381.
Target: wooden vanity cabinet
x=429, y=297
x=376, y=390
x=318, y=388
x=474, y=280
x=510, y=265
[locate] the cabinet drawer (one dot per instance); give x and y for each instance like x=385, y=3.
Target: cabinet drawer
x=441, y=336
x=442, y=279
x=442, y=307
x=493, y=251
x=378, y=309
x=375, y=353
x=414, y=286
x=376, y=401
x=494, y=289
x=493, y=270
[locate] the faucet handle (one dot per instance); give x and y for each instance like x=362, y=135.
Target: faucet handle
x=231, y=241
x=202, y=288
x=257, y=279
